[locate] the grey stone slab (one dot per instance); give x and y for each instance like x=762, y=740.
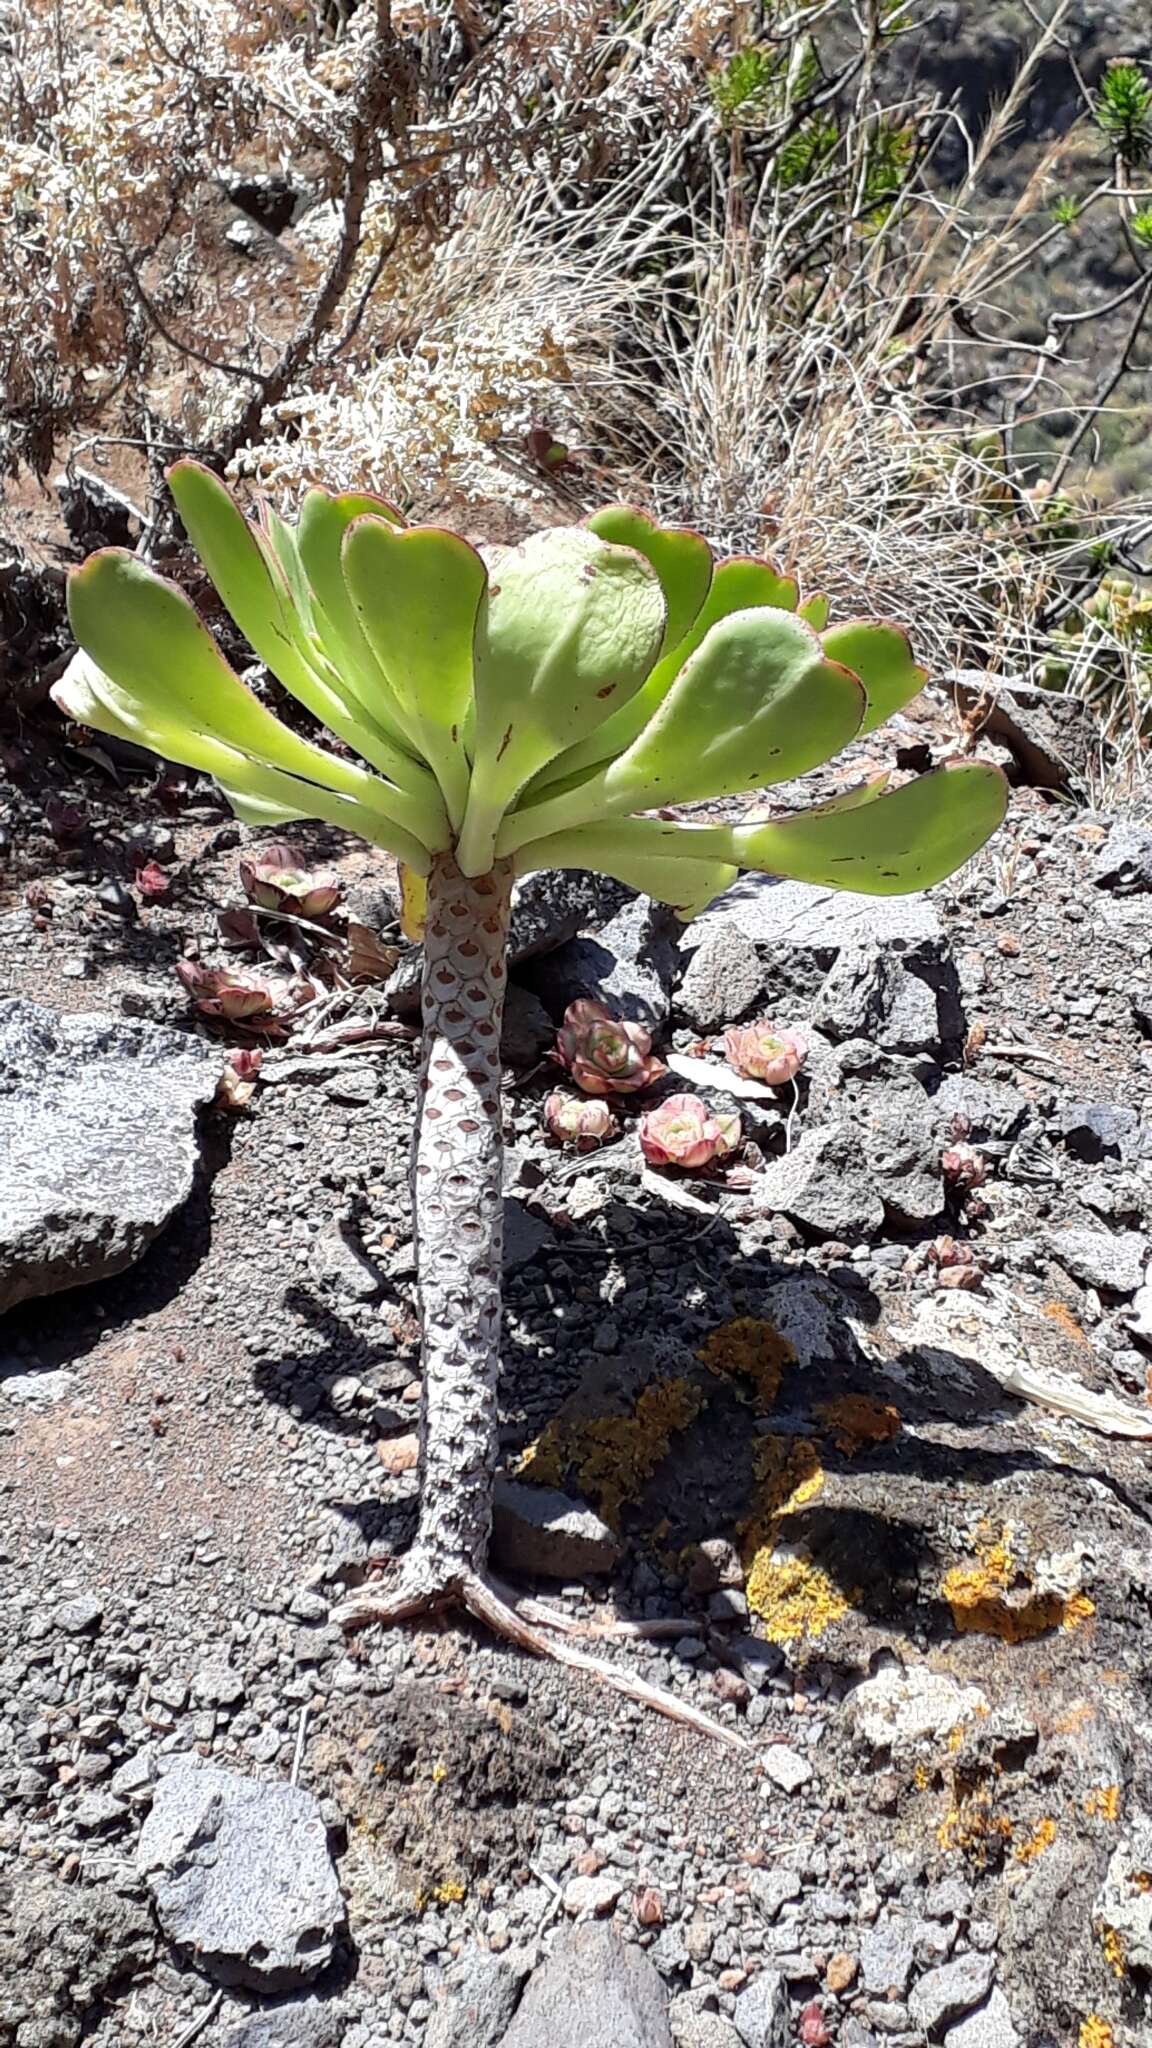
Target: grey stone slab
x=98, y=1142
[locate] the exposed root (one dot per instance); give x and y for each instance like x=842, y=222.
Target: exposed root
x=412, y=1593
x=409, y=1591
x=612, y=1626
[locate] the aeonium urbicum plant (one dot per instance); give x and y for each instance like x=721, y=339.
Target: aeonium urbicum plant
x=502, y=710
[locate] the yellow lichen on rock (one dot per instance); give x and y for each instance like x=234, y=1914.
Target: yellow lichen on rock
x=1042, y=1837
x=1095, y=2033
x=788, y=1474
x=1103, y=1803
x=450, y=1893
x=994, y=1596
x=752, y=1349
x=545, y=1460
x=1113, y=1949
x=794, y=1597
x=613, y=1456
x=858, y=1420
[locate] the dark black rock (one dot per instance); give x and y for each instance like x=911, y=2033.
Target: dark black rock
x=269, y=198
x=527, y=1030
x=1093, y=1131
x=554, y=904
x=630, y=965
x=548, y=909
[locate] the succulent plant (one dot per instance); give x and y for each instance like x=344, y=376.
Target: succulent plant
x=606, y=1055
x=503, y=710
x=273, y=879
x=682, y=1131
x=154, y=885
x=237, y=1084
x=236, y=997
x=764, y=1053
x=963, y=1167
x=584, y=1124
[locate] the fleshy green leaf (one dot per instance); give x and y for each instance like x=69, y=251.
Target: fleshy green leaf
x=881, y=655
x=569, y=627
x=323, y=524
x=413, y=904
x=417, y=593
x=146, y=637
x=815, y=610
x=756, y=704
x=247, y=570
x=681, y=558
x=255, y=810
x=283, y=542
x=741, y=584
x=258, y=792
x=911, y=838
x=624, y=849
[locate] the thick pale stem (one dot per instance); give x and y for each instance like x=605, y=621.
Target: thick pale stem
x=458, y=1216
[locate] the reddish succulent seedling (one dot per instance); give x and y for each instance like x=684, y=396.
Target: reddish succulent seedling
x=273, y=879
x=606, y=1055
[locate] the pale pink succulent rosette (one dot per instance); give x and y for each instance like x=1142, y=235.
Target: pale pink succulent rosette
x=762, y=1052
x=606, y=1055
x=682, y=1131
x=583, y=1122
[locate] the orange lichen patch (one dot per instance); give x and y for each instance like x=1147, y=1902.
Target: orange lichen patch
x=994, y=1597
x=1095, y=2033
x=1113, y=1949
x=794, y=1597
x=1142, y=1879
x=1059, y=1313
x=1042, y=1837
x=613, y=1456
x=858, y=1420
x=752, y=1349
x=1103, y=1803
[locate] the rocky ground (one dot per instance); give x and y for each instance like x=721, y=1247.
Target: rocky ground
x=877, y=1446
